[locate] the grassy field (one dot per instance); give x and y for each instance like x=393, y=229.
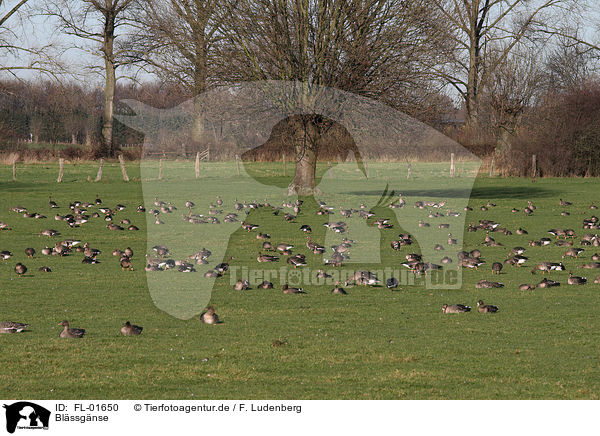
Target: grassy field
x=370, y=344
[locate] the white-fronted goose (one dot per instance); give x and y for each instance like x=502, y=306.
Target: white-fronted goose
x=496, y=267
x=70, y=332
x=265, y=285
x=575, y=280
x=573, y=252
x=547, y=283
x=526, y=287
x=338, y=290
x=131, y=329
x=455, y=308
x=266, y=257
x=241, y=285
x=288, y=290
x=20, y=269
x=486, y=284
x=12, y=327
x=486, y=308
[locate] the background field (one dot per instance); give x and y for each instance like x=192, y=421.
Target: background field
x=370, y=344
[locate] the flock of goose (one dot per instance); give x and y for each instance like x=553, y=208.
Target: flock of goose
x=268, y=251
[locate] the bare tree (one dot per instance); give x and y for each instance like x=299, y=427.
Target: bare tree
x=15, y=55
x=96, y=23
x=477, y=27
x=373, y=48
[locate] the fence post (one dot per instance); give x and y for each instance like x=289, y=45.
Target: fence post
x=208, y=153
x=492, y=167
x=197, y=164
x=451, y=164
x=160, y=169
x=329, y=169
x=284, y=166
x=533, y=167
x=99, y=175
x=123, y=170
x=61, y=165
x=366, y=168
x=237, y=164
x=408, y=174
x=14, y=165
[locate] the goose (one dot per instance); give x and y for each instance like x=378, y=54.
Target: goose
x=129, y=329
x=126, y=264
x=114, y=227
x=455, y=308
x=595, y=257
x=392, y=283
x=284, y=247
x=446, y=260
x=488, y=285
x=565, y=203
x=30, y=252
x=314, y=247
x=90, y=252
x=450, y=240
x=563, y=243
x=306, y=228
x=557, y=232
x=516, y=260
x=263, y=236
x=5, y=254
x=267, y=246
x=224, y=266
x=18, y=209
x=444, y=226
x=212, y=274
x=46, y=251
x=4, y=226
x=266, y=258
x=597, y=279
x=514, y=210
x=297, y=260
x=548, y=266
x=526, y=287
x=546, y=283
x=44, y=269
x=528, y=211
x=423, y=224
x=70, y=332
x=573, y=252
x=521, y=231
x=593, y=206
x=323, y=275
x=161, y=250
x=90, y=260
x=469, y=262
x=565, y=213
x=49, y=233
x=496, y=267
x=12, y=327
x=591, y=265
x=20, y=269
x=209, y=316
x=336, y=259
x=338, y=290
x=287, y=290
x=575, y=280
x=249, y=227
x=265, y=285
x=486, y=308
x=241, y=285
x=438, y=247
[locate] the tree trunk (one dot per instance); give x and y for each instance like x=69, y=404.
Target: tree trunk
x=307, y=137
x=110, y=83
x=73, y=138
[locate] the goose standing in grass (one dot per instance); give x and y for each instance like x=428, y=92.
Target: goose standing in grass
x=126, y=263
x=573, y=252
x=241, y=285
x=20, y=269
x=12, y=327
x=30, y=252
x=455, y=308
x=5, y=254
x=392, y=283
x=209, y=316
x=450, y=240
x=496, y=267
x=486, y=308
x=131, y=329
x=70, y=332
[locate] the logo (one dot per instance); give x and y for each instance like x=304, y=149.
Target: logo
x=26, y=415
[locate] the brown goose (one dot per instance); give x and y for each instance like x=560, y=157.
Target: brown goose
x=131, y=329
x=12, y=327
x=70, y=332
x=496, y=267
x=338, y=290
x=488, y=285
x=20, y=269
x=546, y=283
x=455, y=308
x=575, y=280
x=241, y=285
x=126, y=264
x=573, y=252
x=265, y=285
x=30, y=252
x=210, y=317
x=486, y=308
x=266, y=258
x=288, y=290
x=526, y=287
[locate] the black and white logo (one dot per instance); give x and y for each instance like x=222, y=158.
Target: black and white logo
x=26, y=415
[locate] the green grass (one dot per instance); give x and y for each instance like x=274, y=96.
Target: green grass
x=370, y=344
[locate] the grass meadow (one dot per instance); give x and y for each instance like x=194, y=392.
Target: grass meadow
x=369, y=344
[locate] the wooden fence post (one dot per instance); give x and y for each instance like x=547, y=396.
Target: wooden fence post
x=61, y=165
x=492, y=168
x=533, y=167
x=14, y=165
x=197, y=165
x=451, y=164
x=123, y=170
x=284, y=169
x=99, y=175
x=160, y=169
x=237, y=164
x=408, y=174
x=208, y=153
